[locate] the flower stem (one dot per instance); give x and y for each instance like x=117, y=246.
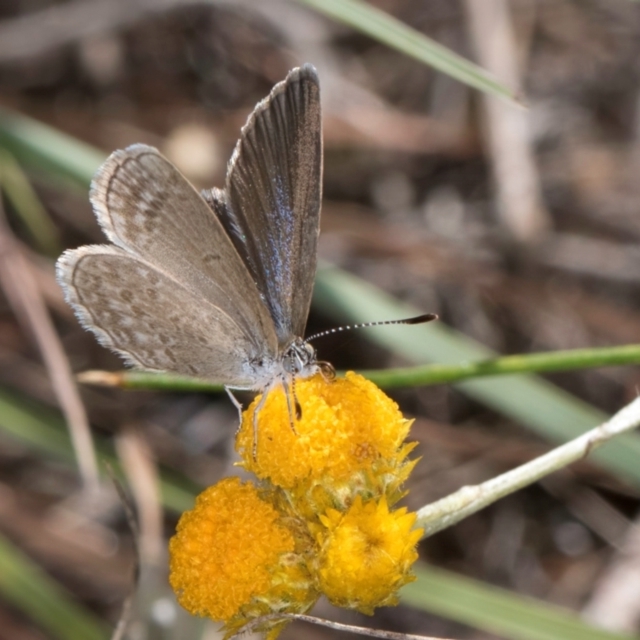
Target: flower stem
x=468, y=500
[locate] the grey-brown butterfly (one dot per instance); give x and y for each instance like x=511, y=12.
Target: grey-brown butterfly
x=215, y=284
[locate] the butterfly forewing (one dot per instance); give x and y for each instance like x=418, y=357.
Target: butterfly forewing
x=147, y=207
x=271, y=207
x=152, y=320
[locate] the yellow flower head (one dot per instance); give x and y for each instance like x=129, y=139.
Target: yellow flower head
x=348, y=440
x=366, y=555
x=320, y=522
x=233, y=559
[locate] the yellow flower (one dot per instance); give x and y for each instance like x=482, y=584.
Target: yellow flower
x=233, y=559
x=320, y=522
x=366, y=555
x=348, y=441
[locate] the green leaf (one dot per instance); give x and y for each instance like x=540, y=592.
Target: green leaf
x=28, y=588
x=496, y=610
x=385, y=28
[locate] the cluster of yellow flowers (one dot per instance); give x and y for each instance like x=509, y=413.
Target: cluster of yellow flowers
x=320, y=520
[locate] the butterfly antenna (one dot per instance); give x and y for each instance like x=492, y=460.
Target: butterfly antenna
x=427, y=317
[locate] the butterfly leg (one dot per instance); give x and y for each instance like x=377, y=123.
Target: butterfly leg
x=237, y=405
x=255, y=422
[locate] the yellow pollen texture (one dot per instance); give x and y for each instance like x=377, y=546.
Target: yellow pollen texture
x=226, y=549
x=346, y=425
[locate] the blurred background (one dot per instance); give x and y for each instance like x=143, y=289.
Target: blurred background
x=518, y=225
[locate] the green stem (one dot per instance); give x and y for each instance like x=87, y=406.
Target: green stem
x=423, y=375
x=546, y=362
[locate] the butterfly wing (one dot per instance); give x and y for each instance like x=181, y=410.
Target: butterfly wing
x=155, y=322
x=271, y=204
x=148, y=208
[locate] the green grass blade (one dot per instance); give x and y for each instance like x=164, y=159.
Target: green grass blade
x=36, y=144
x=529, y=400
x=30, y=590
x=385, y=28
x=496, y=610
x=27, y=205
x=44, y=431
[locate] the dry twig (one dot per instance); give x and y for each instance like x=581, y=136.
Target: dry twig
x=24, y=296
x=507, y=128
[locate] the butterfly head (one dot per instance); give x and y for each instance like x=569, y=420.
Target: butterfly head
x=299, y=359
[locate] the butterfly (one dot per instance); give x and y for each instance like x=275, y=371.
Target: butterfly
x=215, y=284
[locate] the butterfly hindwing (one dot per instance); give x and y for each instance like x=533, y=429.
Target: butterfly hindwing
x=151, y=319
